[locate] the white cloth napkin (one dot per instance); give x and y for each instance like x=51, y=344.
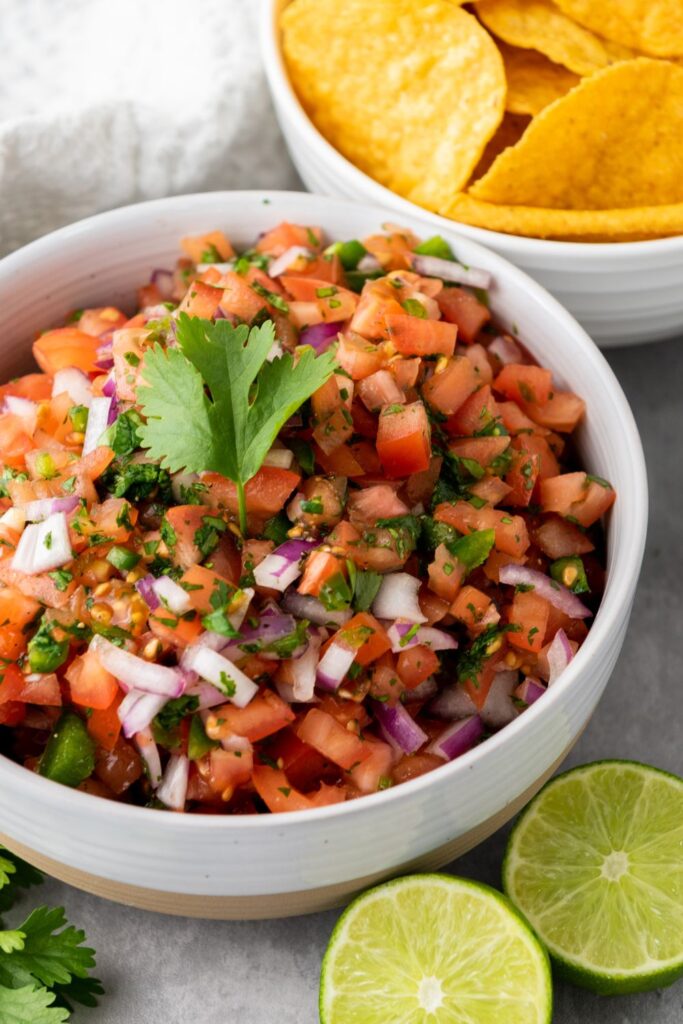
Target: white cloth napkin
x=107, y=102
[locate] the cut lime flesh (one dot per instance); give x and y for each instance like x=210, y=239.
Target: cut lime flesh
x=433, y=949
x=595, y=863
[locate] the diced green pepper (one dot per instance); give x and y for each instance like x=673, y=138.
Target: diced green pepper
x=45, y=654
x=435, y=246
x=571, y=573
x=78, y=414
x=69, y=756
x=350, y=253
x=198, y=742
x=123, y=559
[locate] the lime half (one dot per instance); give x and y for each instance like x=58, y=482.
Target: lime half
x=596, y=865
x=432, y=949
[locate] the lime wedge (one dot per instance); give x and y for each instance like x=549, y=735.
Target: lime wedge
x=596, y=865
x=432, y=949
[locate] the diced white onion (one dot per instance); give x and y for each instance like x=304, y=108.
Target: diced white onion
x=25, y=410
x=172, y=595
x=136, y=673
x=218, y=671
x=98, y=419
x=43, y=546
x=397, y=598
x=173, y=788
x=282, y=263
x=75, y=384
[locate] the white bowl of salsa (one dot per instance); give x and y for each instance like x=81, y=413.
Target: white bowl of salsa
x=248, y=865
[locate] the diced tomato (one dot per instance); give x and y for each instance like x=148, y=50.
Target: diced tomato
x=201, y=299
x=483, y=450
x=321, y=567
x=15, y=443
x=539, y=446
x=11, y=684
x=419, y=487
x=366, y=455
x=229, y=769
x=525, y=383
x=35, y=386
x=473, y=414
x=475, y=610
x=179, y=631
x=41, y=587
x=393, y=251
x=302, y=764
x=12, y=713
x=264, y=715
x=495, y=562
x=339, y=462
x=42, y=690
x=515, y=421
x=359, y=357
x=490, y=489
x=562, y=411
x=285, y=235
x=411, y=766
x=447, y=390
x=369, y=775
x=119, y=767
x=461, y=308
x=445, y=573
x=266, y=493
x=511, y=532
x=433, y=607
x=101, y=320
x=380, y=501
x=478, y=356
x=128, y=352
x=17, y=608
x=344, y=536
x=105, y=726
x=309, y=265
x=198, y=247
x=90, y=684
x=380, y=389
x=186, y=522
x=279, y=796
x=111, y=518
x=412, y=336
x=477, y=688
x=521, y=476
x=529, y=612
x=200, y=584
x=366, y=635
x=63, y=347
x=331, y=302
x=405, y=371
x=558, y=538
x=403, y=439
x=577, y=496
x=417, y=664
x=326, y=735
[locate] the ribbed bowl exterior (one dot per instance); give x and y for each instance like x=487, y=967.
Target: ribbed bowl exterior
x=621, y=293
x=102, y=260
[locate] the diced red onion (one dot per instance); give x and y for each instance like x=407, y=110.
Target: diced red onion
x=216, y=669
x=559, y=655
x=400, y=635
x=43, y=546
x=507, y=350
x=555, y=593
x=281, y=567
x=282, y=263
x=135, y=673
x=306, y=607
x=397, y=598
x=173, y=788
x=453, y=702
x=145, y=588
x=368, y=264
x=172, y=595
x=303, y=671
x=37, y=511
x=530, y=690
x=137, y=710
x=163, y=279
x=425, y=691
x=499, y=709
x=281, y=458
x=98, y=421
x=319, y=336
x=333, y=666
x=272, y=626
x=24, y=409
x=448, y=270
x=399, y=728
x=109, y=387
x=436, y=639
x=149, y=752
x=458, y=738
x=209, y=696
x=75, y=384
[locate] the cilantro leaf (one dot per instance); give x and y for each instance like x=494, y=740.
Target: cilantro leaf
x=11, y=941
x=15, y=874
x=52, y=950
x=230, y=430
x=28, y=1005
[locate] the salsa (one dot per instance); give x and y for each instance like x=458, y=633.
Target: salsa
x=308, y=525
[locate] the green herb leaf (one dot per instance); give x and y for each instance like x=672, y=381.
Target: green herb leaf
x=30, y=1005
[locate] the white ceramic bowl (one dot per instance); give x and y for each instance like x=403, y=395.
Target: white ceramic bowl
x=622, y=293
x=278, y=864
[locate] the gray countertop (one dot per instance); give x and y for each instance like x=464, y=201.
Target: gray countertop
x=163, y=970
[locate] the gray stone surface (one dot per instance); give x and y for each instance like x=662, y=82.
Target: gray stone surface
x=162, y=970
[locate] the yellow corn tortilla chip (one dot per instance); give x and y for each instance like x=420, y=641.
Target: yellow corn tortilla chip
x=409, y=90
x=635, y=224
x=539, y=25
x=653, y=26
x=509, y=132
x=615, y=141
x=533, y=80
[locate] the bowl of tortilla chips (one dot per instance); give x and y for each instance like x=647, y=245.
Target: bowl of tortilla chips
x=550, y=131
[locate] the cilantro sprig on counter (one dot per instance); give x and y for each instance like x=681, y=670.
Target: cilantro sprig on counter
x=44, y=966
x=216, y=403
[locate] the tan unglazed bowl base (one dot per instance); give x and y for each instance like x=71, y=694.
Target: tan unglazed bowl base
x=289, y=904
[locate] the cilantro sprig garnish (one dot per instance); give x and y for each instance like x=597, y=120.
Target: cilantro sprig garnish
x=216, y=403
x=44, y=966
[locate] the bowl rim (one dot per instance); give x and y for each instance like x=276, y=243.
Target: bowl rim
x=283, y=92
x=620, y=582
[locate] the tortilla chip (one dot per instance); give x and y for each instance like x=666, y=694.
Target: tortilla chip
x=635, y=224
x=539, y=25
x=410, y=91
x=509, y=132
x=615, y=141
x=653, y=26
x=533, y=80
